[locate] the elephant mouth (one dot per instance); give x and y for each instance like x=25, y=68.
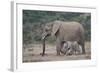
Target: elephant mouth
x=43, y=38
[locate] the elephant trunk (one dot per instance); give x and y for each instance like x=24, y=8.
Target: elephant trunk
x=43, y=43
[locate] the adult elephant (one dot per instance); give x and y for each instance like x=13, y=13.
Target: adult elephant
x=64, y=31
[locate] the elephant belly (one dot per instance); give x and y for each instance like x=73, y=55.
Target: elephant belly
x=70, y=36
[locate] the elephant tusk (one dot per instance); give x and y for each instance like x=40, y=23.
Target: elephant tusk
x=43, y=37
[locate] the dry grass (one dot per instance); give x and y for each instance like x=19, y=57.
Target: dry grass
x=32, y=54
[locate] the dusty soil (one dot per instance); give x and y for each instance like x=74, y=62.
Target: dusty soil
x=32, y=52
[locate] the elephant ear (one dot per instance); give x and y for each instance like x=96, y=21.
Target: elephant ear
x=55, y=28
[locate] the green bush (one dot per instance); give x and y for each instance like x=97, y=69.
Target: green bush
x=33, y=22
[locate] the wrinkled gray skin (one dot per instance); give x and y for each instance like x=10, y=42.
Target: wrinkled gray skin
x=71, y=48
x=64, y=31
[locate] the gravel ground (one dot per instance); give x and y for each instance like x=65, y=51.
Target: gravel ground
x=32, y=53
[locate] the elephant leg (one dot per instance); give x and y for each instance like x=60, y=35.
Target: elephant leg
x=58, y=47
x=58, y=50
x=83, y=48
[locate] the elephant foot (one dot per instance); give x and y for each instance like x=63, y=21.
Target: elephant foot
x=58, y=54
x=83, y=52
x=43, y=54
x=69, y=54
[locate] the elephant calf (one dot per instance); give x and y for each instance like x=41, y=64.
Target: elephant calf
x=71, y=47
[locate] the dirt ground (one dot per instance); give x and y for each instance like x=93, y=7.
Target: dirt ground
x=32, y=53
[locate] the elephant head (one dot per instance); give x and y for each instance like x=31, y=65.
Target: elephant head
x=50, y=29
x=67, y=48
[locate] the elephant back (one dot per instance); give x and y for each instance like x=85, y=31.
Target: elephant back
x=71, y=31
